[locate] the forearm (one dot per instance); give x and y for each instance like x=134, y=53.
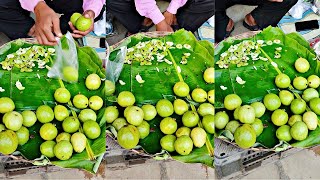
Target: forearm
x=149, y=9
x=94, y=5
x=29, y=5
x=175, y=5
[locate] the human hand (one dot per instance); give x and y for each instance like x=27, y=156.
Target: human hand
x=47, y=25
x=164, y=26
x=170, y=18
x=79, y=34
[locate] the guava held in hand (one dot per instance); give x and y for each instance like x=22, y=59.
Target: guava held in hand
x=83, y=23
x=70, y=74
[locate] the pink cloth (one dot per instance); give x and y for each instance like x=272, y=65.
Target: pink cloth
x=94, y=5
x=149, y=9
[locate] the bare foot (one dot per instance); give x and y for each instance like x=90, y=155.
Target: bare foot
x=230, y=25
x=147, y=22
x=250, y=20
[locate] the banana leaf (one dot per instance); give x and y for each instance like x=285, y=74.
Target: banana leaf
x=39, y=90
x=159, y=81
x=259, y=76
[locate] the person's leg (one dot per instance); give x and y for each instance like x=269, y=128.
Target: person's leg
x=194, y=13
x=15, y=22
x=125, y=12
x=270, y=13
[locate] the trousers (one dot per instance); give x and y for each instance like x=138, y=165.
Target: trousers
x=267, y=13
x=190, y=17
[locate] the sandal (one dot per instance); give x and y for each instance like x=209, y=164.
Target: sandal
x=228, y=33
x=251, y=28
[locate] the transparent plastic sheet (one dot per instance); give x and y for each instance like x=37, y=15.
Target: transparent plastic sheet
x=66, y=64
x=114, y=68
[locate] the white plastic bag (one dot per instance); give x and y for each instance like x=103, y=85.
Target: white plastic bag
x=66, y=64
x=298, y=9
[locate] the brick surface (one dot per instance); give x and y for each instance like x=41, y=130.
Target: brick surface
x=178, y=170
x=302, y=165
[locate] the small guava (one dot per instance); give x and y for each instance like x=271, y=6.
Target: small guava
x=208, y=123
x=63, y=150
x=199, y=95
x=128, y=137
x=23, y=135
x=246, y=114
x=62, y=95
x=232, y=126
x=71, y=124
x=86, y=115
x=232, y=101
x=294, y=118
x=2, y=127
x=236, y=113
x=144, y=129
x=311, y=120
x=80, y=101
x=299, y=131
x=8, y=142
x=164, y=108
x=190, y=119
x=282, y=81
x=279, y=117
x=45, y=114
x=168, y=125
x=245, y=136
x=283, y=133
x=83, y=23
x=167, y=142
x=75, y=16
x=259, y=109
x=91, y=129
x=60, y=112
x=309, y=94
x=183, y=131
x=135, y=115
x=63, y=136
x=208, y=75
x=149, y=112
x=315, y=105
x=180, y=106
x=126, y=98
x=6, y=105
x=125, y=112
x=46, y=148
x=78, y=141
x=109, y=87
x=181, y=89
x=272, y=102
x=12, y=120
x=211, y=96
x=221, y=119
x=300, y=83
x=313, y=81
x=111, y=113
x=95, y=103
x=205, y=109
x=183, y=145
x=48, y=131
x=70, y=74
x=119, y=123
x=298, y=106
x=302, y=65
x=286, y=97
x=29, y=118
x=198, y=136
x=257, y=125
x=93, y=82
